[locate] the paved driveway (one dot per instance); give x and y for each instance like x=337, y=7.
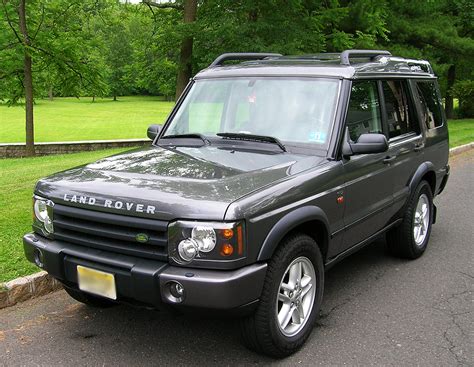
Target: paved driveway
x=377, y=311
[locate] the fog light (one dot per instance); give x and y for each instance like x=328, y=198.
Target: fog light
x=177, y=290
x=174, y=292
x=38, y=257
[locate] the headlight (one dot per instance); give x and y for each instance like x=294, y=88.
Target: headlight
x=188, y=249
x=205, y=238
x=197, y=241
x=43, y=211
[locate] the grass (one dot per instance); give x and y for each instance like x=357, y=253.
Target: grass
x=69, y=119
x=17, y=180
x=460, y=132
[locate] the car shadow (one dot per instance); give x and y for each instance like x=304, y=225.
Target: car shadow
x=204, y=340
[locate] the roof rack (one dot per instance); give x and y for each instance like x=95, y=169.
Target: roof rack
x=371, y=54
x=241, y=56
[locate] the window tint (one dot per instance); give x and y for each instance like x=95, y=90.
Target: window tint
x=430, y=104
x=363, y=115
x=399, y=112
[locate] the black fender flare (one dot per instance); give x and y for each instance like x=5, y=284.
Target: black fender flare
x=423, y=169
x=288, y=222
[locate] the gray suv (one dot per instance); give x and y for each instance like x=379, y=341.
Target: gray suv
x=269, y=170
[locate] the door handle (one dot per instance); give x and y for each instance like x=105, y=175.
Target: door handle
x=419, y=147
x=389, y=159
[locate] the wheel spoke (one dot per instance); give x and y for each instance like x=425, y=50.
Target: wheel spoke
x=416, y=232
x=306, y=289
x=285, y=315
x=286, y=287
x=305, y=280
x=300, y=310
x=295, y=273
x=297, y=317
x=283, y=298
x=424, y=210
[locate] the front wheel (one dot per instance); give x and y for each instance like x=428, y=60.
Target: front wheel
x=410, y=238
x=290, y=301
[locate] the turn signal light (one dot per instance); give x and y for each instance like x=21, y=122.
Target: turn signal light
x=227, y=233
x=227, y=249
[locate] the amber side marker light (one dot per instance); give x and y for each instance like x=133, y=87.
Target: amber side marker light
x=227, y=249
x=240, y=244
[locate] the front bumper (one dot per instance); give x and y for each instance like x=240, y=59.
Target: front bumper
x=142, y=281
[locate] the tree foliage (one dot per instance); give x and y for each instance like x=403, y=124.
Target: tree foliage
x=110, y=48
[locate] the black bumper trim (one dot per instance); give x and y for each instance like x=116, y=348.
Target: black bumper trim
x=143, y=280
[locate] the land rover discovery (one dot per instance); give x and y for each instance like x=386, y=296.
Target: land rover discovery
x=269, y=170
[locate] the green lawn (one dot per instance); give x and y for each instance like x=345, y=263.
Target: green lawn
x=17, y=179
x=67, y=119
x=460, y=132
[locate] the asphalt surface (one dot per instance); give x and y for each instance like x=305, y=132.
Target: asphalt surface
x=377, y=310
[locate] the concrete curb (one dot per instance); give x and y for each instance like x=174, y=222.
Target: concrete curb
x=461, y=149
x=24, y=288
x=39, y=284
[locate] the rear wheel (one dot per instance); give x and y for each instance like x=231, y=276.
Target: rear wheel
x=410, y=238
x=290, y=301
x=89, y=299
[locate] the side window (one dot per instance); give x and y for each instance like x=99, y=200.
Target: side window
x=363, y=114
x=430, y=104
x=400, y=117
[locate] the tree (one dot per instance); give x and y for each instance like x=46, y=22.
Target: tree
x=189, y=10
x=46, y=37
x=440, y=31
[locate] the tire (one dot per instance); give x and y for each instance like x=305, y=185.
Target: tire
x=262, y=331
x=403, y=240
x=89, y=299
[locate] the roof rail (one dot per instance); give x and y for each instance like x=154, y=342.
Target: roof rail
x=371, y=54
x=241, y=56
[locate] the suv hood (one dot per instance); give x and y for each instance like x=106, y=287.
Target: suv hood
x=184, y=182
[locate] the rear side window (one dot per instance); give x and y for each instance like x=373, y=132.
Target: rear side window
x=400, y=117
x=363, y=114
x=430, y=104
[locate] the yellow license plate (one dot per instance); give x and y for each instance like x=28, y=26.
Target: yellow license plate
x=96, y=282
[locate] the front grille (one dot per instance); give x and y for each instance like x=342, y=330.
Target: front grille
x=111, y=232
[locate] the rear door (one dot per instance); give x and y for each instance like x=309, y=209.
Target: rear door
x=368, y=189
x=406, y=143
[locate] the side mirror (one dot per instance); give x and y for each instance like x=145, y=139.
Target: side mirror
x=366, y=144
x=153, y=131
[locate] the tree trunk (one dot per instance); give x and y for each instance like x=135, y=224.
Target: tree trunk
x=449, y=102
x=27, y=81
x=185, y=70
x=50, y=93
x=115, y=97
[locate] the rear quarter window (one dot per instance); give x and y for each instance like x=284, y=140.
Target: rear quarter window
x=430, y=102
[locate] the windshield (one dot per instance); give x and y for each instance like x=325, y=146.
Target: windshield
x=291, y=110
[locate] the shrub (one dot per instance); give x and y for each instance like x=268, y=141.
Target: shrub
x=464, y=92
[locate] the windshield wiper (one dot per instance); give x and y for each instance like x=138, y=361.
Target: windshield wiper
x=187, y=136
x=251, y=137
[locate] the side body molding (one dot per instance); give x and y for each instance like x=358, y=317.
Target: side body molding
x=424, y=168
x=286, y=224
